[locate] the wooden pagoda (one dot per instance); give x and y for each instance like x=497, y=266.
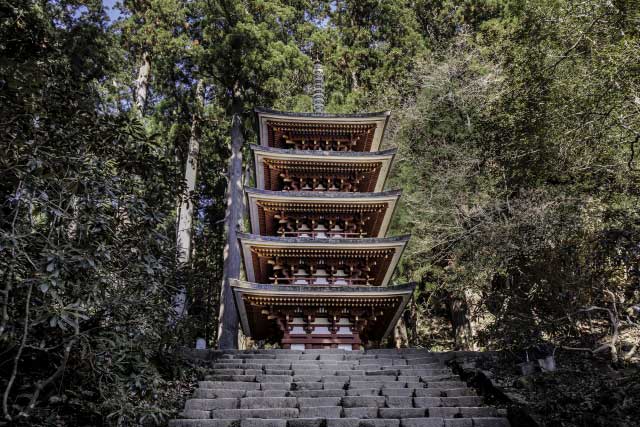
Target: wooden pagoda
x=318, y=264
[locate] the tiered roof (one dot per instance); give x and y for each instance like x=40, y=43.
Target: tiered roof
x=318, y=252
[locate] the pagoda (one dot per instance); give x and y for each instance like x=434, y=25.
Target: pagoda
x=318, y=263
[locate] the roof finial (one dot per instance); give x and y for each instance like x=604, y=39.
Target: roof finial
x=318, y=88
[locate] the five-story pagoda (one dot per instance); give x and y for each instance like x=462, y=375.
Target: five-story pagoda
x=317, y=263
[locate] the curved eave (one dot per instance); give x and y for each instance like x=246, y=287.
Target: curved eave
x=340, y=293
x=290, y=114
x=384, y=157
x=311, y=242
x=322, y=153
x=250, y=241
x=327, y=198
x=379, y=118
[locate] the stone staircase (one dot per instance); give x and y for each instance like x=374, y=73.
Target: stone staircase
x=334, y=388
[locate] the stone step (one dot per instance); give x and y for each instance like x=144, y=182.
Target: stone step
x=318, y=393
x=319, y=401
x=203, y=423
x=359, y=401
x=239, y=414
x=320, y=411
x=210, y=404
x=195, y=414
x=267, y=393
x=361, y=412
x=214, y=393
x=355, y=422
x=404, y=412
x=237, y=378
x=319, y=388
x=267, y=402
x=229, y=385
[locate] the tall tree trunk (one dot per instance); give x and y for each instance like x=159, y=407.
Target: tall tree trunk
x=228, y=318
x=462, y=331
x=142, y=83
x=185, y=210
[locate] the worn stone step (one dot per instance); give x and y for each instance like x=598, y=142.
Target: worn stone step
x=266, y=393
x=444, y=384
x=238, y=378
x=406, y=412
x=459, y=392
x=267, y=402
x=478, y=412
x=239, y=414
x=275, y=386
x=363, y=392
x=332, y=385
x=273, y=378
x=427, y=402
x=306, y=422
x=229, y=385
x=213, y=393
x=355, y=422
x=269, y=371
x=196, y=414
x=307, y=377
x=461, y=401
x=361, y=412
x=357, y=401
x=228, y=371
x=203, y=423
x=490, y=422
x=320, y=411
x=376, y=384
x=399, y=402
x=318, y=393
x=430, y=422
x=397, y=392
x=378, y=378
x=304, y=385
x=210, y=404
x=429, y=392
x=263, y=422
x=380, y=372
x=318, y=401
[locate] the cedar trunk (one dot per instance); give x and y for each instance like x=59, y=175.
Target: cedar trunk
x=142, y=83
x=185, y=209
x=228, y=319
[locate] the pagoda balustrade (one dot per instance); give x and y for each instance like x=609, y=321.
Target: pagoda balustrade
x=326, y=137
x=322, y=273
x=321, y=227
x=343, y=183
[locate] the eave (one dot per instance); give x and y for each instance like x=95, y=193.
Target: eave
x=395, y=297
x=267, y=117
x=266, y=246
x=329, y=160
x=381, y=204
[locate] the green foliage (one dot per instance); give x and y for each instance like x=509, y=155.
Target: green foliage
x=519, y=174
x=86, y=236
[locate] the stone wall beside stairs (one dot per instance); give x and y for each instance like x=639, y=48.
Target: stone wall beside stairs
x=334, y=388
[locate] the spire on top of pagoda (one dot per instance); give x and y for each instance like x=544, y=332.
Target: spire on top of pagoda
x=318, y=88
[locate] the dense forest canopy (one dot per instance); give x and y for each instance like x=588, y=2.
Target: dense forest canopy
x=517, y=125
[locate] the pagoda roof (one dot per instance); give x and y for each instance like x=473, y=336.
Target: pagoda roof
x=251, y=297
x=256, y=250
x=271, y=122
x=374, y=165
x=379, y=206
